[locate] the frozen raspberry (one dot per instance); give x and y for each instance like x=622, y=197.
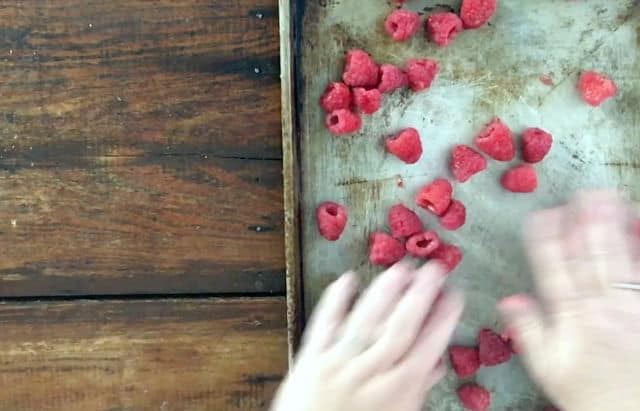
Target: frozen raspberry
x=476, y=13
x=360, y=70
x=421, y=73
x=403, y=222
x=343, y=121
x=474, y=397
x=595, y=88
x=455, y=216
x=391, y=78
x=443, y=28
x=331, y=218
x=536, y=144
x=436, y=196
x=405, y=145
x=423, y=244
x=367, y=101
x=449, y=255
x=384, y=249
x=547, y=80
x=464, y=360
x=510, y=336
x=496, y=141
x=402, y=24
x=335, y=97
x=493, y=350
x=520, y=179
x=466, y=162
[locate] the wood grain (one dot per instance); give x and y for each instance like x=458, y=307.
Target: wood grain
x=142, y=355
x=140, y=147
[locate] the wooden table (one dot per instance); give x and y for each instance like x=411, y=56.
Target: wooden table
x=142, y=262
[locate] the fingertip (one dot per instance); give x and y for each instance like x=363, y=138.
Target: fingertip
x=515, y=302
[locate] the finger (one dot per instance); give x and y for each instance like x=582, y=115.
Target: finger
x=374, y=306
x=528, y=330
x=544, y=243
x=432, y=340
x=601, y=242
x=405, y=322
x=330, y=313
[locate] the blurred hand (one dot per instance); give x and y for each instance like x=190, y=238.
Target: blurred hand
x=384, y=354
x=581, y=339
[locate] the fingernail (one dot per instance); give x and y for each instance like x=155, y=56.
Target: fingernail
x=514, y=301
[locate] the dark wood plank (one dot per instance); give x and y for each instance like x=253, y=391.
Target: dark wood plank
x=142, y=355
x=180, y=225
x=130, y=147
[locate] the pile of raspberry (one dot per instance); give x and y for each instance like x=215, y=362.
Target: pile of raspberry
x=363, y=85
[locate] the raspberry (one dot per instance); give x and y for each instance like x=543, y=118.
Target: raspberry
x=403, y=222
x=331, y=218
x=496, y=141
x=423, y=244
x=384, y=249
x=476, y=13
x=405, y=145
x=464, y=360
x=343, y=121
x=510, y=336
x=402, y=24
x=391, y=78
x=443, y=28
x=449, y=255
x=367, y=101
x=520, y=179
x=436, y=196
x=335, y=97
x=595, y=88
x=474, y=397
x=466, y=162
x=536, y=144
x=421, y=73
x=360, y=70
x=455, y=216
x=493, y=350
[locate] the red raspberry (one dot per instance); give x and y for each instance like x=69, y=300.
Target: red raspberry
x=367, y=101
x=384, y=249
x=402, y=24
x=455, y=216
x=536, y=144
x=421, y=73
x=335, y=97
x=360, y=70
x=391, y=78
x=520, y=179
x=436, y=196
x=476, y=13
x=496, y=141
x=474, y=397
x=331, y=218
x=403, y=222
x=449, y=255
x=464, y=360
x=466, y=162
x=595, y=88
x=443, y=28
x=405, y=145
x=423, y=244
x=493, y=350
x=342, y=122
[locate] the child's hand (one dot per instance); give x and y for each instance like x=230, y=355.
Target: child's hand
x=384, y=354
x=582, y=344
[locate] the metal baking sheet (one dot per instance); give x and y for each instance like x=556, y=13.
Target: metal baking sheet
x=494, y=71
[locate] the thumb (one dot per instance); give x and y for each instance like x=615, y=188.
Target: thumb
x=525, y=323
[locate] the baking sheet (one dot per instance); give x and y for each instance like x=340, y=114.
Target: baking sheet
x=494, y=71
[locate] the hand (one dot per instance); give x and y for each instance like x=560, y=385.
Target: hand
x=582, y=343
x=384, y=354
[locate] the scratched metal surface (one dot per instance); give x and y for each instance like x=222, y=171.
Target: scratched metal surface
x=490, y=72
